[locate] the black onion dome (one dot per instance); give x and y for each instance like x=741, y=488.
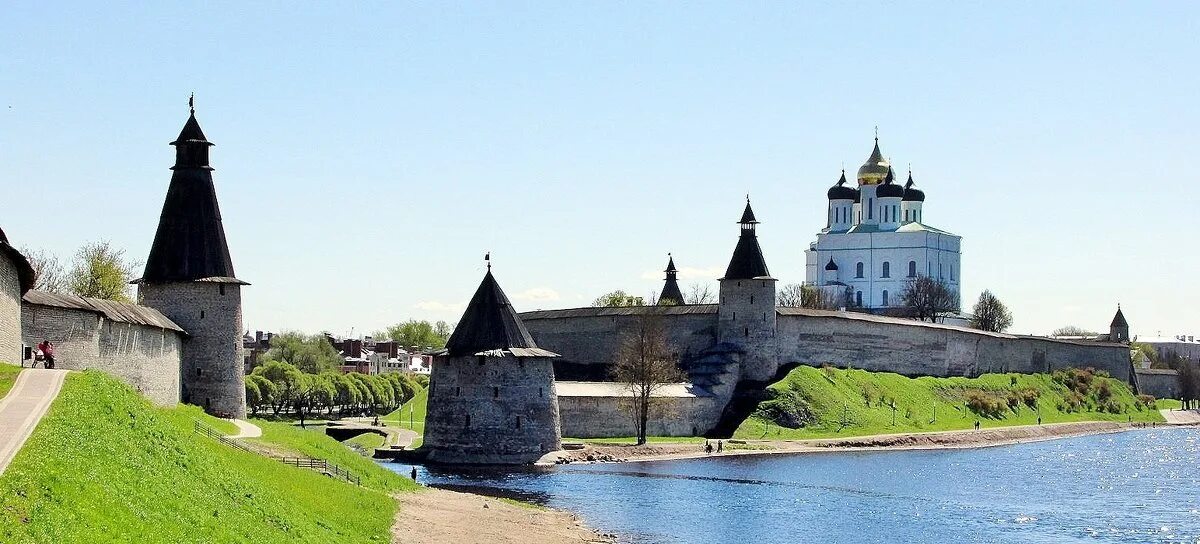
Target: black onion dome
x=912, y=194
x=889, y=189
x=831, y=266
x=840, y=192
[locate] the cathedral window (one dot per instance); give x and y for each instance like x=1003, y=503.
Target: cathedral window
x=870, y=208
x=912, y=269
x=885, y=297
x=887, y=270
x=859, y=270
x=858, y=298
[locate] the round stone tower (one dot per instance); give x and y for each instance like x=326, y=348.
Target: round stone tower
x=746, y=312
x=189, y=278
x=491, y=396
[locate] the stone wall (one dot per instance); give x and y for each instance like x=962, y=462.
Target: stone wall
x=587, y=413
x=925, y=349
x=147, y=358
x=492, y=410
x=213, y=371
x=1162, y=383
x=10, y=312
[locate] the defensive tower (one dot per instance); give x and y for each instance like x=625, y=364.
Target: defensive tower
x=746, y=312
x=189, y=278
x=671, y=295
x=491, y=395
x=1118, y=330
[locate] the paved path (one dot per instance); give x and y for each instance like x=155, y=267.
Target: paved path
x=23, y=408
x=1182, y=417
x=245, y=429
x=396, y=436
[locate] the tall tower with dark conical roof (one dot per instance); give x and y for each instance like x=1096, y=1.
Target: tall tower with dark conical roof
x=671, y=295
x=189, y=278
x=746, y=311
x=491, y=395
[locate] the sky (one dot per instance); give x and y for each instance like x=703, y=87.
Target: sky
x=369, y=154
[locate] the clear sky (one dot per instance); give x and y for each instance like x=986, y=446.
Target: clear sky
x=368, y=156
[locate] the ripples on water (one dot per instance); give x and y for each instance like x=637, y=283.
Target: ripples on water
x=1138, y=486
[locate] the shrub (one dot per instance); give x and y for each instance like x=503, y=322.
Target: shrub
x=872, y=393
x=1073, y=402
x=829, y=371
x=1103, y=390
x=1078, y=380
x=985, y=404
x=1147, y=401
x=786, y=409
x=1029, y=396
x=422, y=380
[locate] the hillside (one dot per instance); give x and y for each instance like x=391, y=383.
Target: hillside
x=411, y=415
x=105, y=466
x=821, y=402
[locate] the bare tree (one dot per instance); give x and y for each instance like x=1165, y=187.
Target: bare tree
x=700, y=293
x=1072, y=330
x=790, y=296
x=644, y=365
x=49, y=273
x=990, y=314
x=101, y=271
x=927, y=298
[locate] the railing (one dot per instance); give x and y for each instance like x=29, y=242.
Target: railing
x=320, y=465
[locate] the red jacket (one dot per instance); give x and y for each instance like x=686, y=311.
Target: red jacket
x=46, y=348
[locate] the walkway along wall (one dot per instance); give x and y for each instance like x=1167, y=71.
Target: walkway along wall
x=133, y=343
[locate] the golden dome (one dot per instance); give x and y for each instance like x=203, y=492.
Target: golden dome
x=875, y=169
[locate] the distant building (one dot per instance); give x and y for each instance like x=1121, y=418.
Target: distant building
x=1186, y=346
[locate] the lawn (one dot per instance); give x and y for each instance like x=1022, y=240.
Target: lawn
x=312, y=442
x=8, y=376
x=835, y=402
x=411, y=415
x=105, y=466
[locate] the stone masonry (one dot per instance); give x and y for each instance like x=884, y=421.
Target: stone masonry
x=10, y=312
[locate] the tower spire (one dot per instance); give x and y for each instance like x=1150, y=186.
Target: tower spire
x=671, y=295
x=747, y=261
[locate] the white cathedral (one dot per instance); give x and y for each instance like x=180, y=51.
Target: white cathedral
x=875, y=240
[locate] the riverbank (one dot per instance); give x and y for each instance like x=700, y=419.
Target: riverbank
x=436, y=516
x=987, y=437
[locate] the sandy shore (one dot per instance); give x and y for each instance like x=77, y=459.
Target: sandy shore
x=906, y=441
x=438, y=516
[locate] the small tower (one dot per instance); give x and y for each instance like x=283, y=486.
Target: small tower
x=189, y=278
x=890, y=194
x=746, y=313
x=914, y=198
x=671, y=295
x=491, y=395
x=1118, y=330
x=841, y=205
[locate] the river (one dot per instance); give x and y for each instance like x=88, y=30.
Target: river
x=1136, y=486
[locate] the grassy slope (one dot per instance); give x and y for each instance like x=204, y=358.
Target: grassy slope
x=312, y=442
x=400, y=417
x=8, y=375
x=830, y=392
x=105, y=466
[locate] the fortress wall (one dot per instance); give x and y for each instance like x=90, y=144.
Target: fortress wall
x=1162, y=383
x=919, y=350
x=147, y=358
x=10, y=312
x=593, y=340
x=606, y=416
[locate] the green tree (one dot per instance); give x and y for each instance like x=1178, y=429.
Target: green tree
x=618, y=299
x=264, y=392
x=990, y=314
x=1072, y=330
x=101, y=271
x=287, y=380
x=311, y=354
x=419, y=334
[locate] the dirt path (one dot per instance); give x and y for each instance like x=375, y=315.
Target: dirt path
x=437, y=516
x=23, y=408
x=997, y=436
x=1182, y=417
x=245, y=429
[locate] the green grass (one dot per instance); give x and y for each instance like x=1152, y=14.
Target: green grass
x=864, y=400
x=312, y=442
x=365, y=443
x=400, y=416
x=8, y=376
x=105, y=466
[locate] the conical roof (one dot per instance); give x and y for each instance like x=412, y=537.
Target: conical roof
x=839, y=191
x=670, y=291
x=832, y=265
x=670, y=263
x=747, y=214
x=747, y=261
x=1119, y=319
x=491, y=325
x=190, y=242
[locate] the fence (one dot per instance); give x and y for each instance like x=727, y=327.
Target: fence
x=320, y=465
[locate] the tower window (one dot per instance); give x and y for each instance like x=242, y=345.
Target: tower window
x=221, y=288
x=458, y=391
x=495, y=392
x=870, y=208
x=201, y=314
x=912, y=269
x=887, y=270
x=541, y=393
x=518, y=422
x=751, y=299
x=468, y=421
x=199, y=372
x=858, y=270
x=747, y=332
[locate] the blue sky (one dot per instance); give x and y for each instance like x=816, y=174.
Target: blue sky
x=368, y=155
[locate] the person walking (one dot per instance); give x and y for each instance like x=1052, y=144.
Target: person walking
x=414, y=474
x=47, y=349
x=720, y=446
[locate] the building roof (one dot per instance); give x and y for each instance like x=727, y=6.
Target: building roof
x=599, y=311
x=491, y=327
x=876, y=167
x=25, y=274
x=122, y=312
x=670, y=290
x=1119, y=319
x=190, y=242
x=747, y=261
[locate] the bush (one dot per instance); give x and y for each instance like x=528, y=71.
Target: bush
x=1078, y=380
x=1147, y=401
x=986, y=404
x=787, y=409
x=1073, y=402
x=422, y=380
x=1029, y=396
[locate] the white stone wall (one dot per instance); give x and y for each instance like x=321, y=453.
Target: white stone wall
x=146, y=358
x=10, y=312
x=612, y=417
x=213, y=369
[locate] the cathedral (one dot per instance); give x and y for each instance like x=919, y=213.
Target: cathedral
x=875, y=240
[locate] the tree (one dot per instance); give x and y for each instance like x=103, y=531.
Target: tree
x=990, y=314
x=618, y=299
x=795, y=295
x=286, y=379
x=1188, y=380
x=101, y=271
x=260, y=392
x=700, y=293
x=1145, y=349
x=644, y=365
x=420, y=334
x=49, y=273
x=927, y=298
x=311, y=354
x=1072, y=330
x=790, y=295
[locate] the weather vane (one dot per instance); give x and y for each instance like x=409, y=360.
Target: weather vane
x=192, y=103
x=487, y=258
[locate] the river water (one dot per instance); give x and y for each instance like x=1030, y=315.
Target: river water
x=1137, y=486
